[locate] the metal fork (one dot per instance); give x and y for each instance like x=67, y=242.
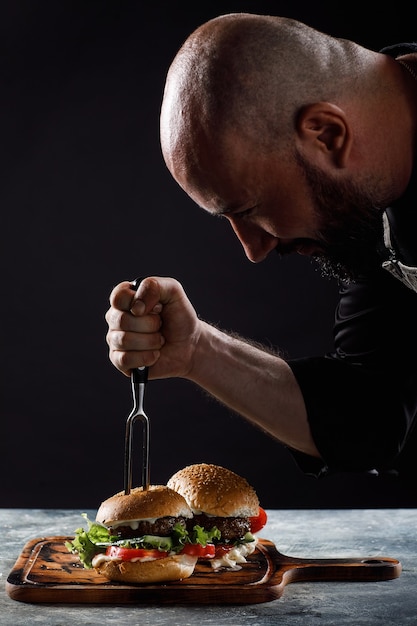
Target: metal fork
x=138, y=379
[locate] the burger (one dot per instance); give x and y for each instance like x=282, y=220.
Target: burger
x=226, y=507
x=140, y=537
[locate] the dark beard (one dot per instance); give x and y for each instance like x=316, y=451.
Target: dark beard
x=352, y=253
x=350, y=230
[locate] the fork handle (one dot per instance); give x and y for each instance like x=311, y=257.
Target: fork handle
x=139, y=375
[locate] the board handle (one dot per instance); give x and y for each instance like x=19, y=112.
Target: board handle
x=374, y=568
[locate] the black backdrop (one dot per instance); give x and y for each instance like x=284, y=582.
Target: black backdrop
x=86, y=201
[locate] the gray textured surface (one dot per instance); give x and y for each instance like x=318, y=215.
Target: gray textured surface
x=304, y=533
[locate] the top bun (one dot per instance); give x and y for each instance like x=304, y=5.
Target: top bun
x=156, y=501
x=215, y=490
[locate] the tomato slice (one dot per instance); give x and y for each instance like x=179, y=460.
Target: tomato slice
x=127, y=554
x=259, y=521
x=196, y=549
x=222, y=549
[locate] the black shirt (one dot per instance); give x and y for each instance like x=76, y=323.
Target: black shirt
x=361, y=399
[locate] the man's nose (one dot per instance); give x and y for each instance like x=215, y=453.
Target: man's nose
x=256, y=242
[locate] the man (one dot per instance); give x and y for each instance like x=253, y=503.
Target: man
x=304, y=143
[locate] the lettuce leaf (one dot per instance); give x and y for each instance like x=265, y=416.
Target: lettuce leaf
x=88, y=543
x=202, y=536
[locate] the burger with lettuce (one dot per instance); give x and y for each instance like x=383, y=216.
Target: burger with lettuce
x=145, y=536
x=226, y=507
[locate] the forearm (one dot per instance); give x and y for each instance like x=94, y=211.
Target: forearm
x=258, y=385
x=160, y=329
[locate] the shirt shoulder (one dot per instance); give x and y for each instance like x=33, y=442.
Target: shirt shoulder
x=398, y=49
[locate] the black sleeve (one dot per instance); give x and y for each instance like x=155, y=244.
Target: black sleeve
x=399, y=49
x=362, y=399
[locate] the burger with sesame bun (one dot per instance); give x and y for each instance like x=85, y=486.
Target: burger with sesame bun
x=225, y=505
x=141, y=537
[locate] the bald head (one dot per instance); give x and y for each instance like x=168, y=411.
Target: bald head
x=252, y=73
x=248, y=77
x=283, y=130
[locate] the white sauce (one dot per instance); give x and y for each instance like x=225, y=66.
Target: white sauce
x=235, y=556
x=99, y=559
x=133, y=523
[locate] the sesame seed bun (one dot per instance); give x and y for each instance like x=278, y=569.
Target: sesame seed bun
x=156, y=501
x=175, y=567
x=215, y=490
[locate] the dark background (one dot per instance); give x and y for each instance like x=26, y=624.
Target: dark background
x=86, y=201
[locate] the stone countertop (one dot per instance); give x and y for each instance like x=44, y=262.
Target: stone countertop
x=298, y=533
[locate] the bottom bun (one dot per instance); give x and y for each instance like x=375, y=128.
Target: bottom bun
x=169, y=568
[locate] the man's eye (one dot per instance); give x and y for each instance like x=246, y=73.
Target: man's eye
x=244, y=213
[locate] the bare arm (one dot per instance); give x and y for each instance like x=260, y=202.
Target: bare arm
x=159, y=327
x=258, y=385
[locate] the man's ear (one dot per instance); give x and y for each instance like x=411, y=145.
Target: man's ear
x=324, y=133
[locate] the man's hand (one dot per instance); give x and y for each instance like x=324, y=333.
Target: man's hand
x=156, y=326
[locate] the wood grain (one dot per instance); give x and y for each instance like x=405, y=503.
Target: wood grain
x=45, y=572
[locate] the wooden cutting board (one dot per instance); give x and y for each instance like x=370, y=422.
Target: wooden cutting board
x=46, y=572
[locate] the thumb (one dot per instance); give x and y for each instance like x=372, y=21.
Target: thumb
x=147, y=296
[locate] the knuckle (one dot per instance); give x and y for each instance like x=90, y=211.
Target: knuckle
x=124, y=361
x=113, y=317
